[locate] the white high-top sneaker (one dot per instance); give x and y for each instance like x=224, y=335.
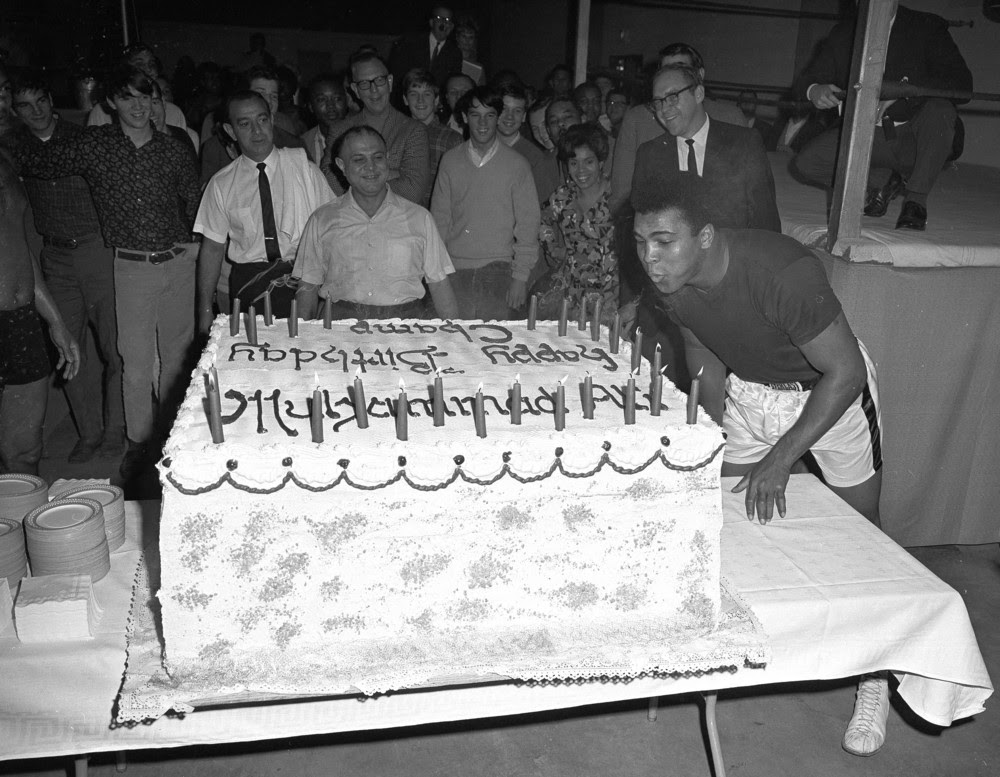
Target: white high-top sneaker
x=866, y=732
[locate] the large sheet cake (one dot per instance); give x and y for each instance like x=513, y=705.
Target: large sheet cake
x=370, y=563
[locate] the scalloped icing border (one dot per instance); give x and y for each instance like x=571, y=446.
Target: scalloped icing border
x=459, y=473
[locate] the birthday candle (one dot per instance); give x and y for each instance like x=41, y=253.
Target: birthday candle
x=214, y=406
x=268, y=317
x=251, y=326
x=402, y=412
x=515, y=400
x=479, y=412
x=637, y=351
x=532, y=311
x=316, y=413
x=293, y=319
x=561, y=404
x=581, y=316
x=328, y=313
x=234, y=318
x=563, y=316
x=588, y=396
x=595, y=322
x=438, y=400
x=656, y=390
x=630, y=399
x=360, y=406
x=615, y=335
x=692, y=406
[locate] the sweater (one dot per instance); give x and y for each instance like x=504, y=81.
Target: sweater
x=490, y=213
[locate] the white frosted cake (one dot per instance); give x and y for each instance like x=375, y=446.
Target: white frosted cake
x=369, y=562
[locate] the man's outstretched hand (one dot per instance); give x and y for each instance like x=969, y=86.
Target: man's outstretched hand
x=765, y=487
x=825, y=96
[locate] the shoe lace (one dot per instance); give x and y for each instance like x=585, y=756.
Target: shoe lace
x=869, y=694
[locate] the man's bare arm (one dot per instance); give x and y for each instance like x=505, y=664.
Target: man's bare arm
x=307, y=298
x=65, y=343
x=834, y=352
x=443, y=295
x=210, y=259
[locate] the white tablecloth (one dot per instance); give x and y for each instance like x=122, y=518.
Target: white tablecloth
x=836, y=596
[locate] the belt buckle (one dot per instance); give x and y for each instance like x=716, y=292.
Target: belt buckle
x=154, y=258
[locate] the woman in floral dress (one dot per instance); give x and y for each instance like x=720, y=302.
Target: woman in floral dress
x=577, y=233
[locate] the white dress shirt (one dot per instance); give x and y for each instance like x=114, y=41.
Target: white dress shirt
x=230, y=206
x=699, y=138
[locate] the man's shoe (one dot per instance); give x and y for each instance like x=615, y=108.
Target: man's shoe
x=865, y=733
x=137, y=458
x=870, y=194
x=113, y=444
x=83, y=451
x=913, y=216
x=877, y=201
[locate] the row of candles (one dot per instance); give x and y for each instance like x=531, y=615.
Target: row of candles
x=479, y=411
x=594, y=322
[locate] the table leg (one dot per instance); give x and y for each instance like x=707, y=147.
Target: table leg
x=121, y=764
x=654, y=702
x=80, y=766
x=718, y=765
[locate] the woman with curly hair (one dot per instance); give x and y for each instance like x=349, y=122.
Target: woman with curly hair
x=577, y=232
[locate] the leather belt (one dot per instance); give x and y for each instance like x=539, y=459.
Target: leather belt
x=63, y=242
x=153, y=257
x=795, y=385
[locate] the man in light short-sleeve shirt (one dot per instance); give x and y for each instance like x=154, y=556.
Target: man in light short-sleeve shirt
x=370, y=250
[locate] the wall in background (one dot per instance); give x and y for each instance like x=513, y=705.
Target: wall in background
x=770, y=51
x=735, y=47
x=306, y=51
x=530, y=37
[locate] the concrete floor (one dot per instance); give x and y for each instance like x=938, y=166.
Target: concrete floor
x=772, y=732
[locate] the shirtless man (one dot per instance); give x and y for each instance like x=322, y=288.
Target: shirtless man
x=24, y=301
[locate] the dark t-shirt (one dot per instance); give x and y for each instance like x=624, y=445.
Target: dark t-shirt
x=773, y=298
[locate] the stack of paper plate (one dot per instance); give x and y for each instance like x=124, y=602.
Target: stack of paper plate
x=112, y=500
x=13, y=561
x=67, y=537
x=20, y=494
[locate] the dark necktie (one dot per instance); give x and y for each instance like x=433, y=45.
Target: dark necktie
x=437, y=49
x=692, y=159
x=267, y=215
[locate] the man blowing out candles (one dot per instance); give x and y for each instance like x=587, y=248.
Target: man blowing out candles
x=759, y=304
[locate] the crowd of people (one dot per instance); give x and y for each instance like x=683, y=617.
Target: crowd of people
x=427, y=187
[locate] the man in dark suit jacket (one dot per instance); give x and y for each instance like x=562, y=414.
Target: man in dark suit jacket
x=435, y=51
x=917, y=134
x=734, y=169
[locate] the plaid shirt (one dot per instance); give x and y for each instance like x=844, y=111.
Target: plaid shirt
x=63, y=207
x=146, y=197
x=441, y=139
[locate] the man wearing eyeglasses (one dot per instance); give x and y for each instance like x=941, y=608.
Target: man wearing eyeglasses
x=730, y=160
x=436, y=51
x=640, y=123
x=407, y=144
